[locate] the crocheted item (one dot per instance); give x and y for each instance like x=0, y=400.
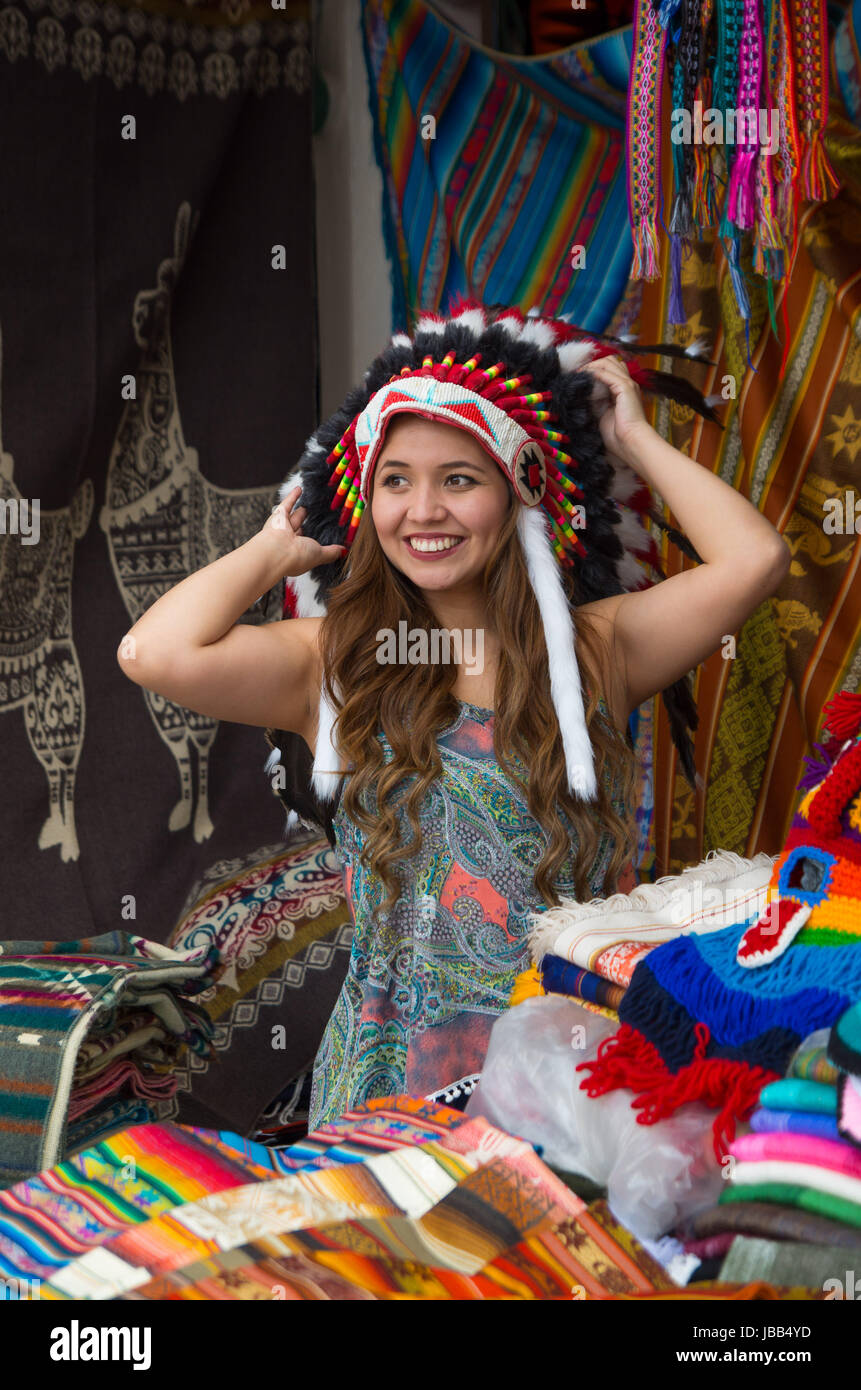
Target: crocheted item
x=768, y=1121
x=715, y=1018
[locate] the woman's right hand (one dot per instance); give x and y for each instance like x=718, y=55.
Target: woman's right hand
x=299, y=553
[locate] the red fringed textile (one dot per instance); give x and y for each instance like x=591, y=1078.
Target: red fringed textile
x=627, y=1059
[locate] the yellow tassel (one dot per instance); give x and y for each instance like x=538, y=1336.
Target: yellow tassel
x=526, y=986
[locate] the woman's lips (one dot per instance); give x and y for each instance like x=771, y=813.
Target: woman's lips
x=433, y=554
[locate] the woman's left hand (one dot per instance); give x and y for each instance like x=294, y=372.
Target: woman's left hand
x=621, y=417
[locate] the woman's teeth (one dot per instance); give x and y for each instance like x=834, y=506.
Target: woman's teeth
x=448, y=543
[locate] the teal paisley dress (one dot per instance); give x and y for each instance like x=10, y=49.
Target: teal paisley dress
x=427, y=981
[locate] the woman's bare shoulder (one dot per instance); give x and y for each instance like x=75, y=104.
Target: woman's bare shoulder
x=306, y=630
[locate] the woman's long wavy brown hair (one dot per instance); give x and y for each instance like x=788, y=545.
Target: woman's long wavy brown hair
x=412, y=704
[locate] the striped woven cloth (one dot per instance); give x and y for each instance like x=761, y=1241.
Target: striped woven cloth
x=495, y=167
x=69, y=1011
x=790, y=444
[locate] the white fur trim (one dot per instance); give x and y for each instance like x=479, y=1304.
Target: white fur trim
x=573, y=355
x=324, y=779
x=510, y=324
x=401, y=340
x=473, y=319
x=565, y=688
x=289, y=484
x=539, y=333
x=429, y=325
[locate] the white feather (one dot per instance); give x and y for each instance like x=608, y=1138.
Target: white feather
x=565, y=688
x=573, y=355
x=624, y=481
x=429, y=325
x=324, y=777
x=401, y=340
x=272, y=761
x=539, y=333
x=631, y=573
x=307, y=603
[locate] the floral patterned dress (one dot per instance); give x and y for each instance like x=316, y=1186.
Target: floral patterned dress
x=427, y=981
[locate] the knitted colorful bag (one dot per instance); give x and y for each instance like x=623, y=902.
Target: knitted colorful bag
x=716, y=1017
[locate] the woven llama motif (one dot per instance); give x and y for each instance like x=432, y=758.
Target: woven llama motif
x=714, y=1018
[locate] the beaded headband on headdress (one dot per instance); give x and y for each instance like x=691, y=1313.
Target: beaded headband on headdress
x=510, y=426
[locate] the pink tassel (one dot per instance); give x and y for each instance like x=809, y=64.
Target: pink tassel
x=741, y=193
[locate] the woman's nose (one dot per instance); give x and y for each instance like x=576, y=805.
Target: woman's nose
x=426, y=502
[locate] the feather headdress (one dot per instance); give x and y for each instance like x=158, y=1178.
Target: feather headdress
x=516, y=384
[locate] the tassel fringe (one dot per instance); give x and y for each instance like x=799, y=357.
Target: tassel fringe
x=627, y=1060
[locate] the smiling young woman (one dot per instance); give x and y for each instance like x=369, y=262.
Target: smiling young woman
x=445, y=494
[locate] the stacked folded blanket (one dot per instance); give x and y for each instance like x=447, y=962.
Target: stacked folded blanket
x=589, y=951
x=793, y=1197
x=89, y=1031
x=795, y=1155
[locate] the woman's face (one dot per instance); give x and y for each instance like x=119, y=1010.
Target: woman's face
x=438, y=502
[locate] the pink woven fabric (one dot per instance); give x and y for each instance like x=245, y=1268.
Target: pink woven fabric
x=837, y=1157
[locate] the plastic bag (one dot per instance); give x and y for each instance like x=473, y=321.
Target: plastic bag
x=656, y=1175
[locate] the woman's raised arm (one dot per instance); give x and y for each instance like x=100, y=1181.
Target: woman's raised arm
x=190, y=647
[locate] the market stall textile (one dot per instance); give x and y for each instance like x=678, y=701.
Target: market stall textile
x=137, y=1173
x=279, y=920
x=790, y=445
x=716, y=1016
x=589, y=1256
x=157, y=329
x=494, y=167
x=560, y=977
x=465, y=1200
x=61, y=999
x=609, y=936
x=399, y=1199
x=779, y=1262
x=768, y=1219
